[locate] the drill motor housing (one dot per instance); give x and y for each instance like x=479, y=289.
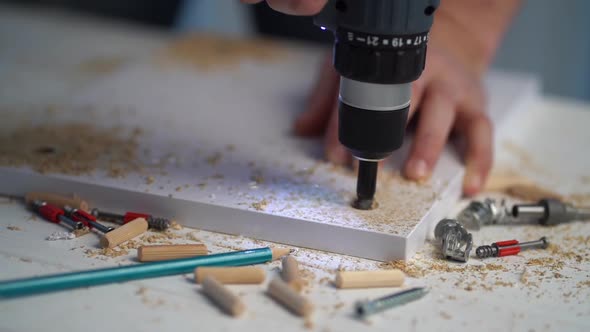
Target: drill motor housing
x=379, y=50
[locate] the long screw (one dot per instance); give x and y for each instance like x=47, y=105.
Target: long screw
x=54, y=214
x=511, y=247
x=367, y=308
x=86, y=218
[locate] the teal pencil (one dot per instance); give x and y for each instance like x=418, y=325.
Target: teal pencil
x=57, y=282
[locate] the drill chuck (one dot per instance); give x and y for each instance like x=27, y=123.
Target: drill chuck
x=379, y=50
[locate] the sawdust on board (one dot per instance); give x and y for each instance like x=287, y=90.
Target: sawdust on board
x=207, y=52
x=260, y=206
x=73, y=148
x=402, y=203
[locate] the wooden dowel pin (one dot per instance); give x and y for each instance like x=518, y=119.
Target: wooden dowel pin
x=170, y=251
x=59, y=200
x=231, y=275
x=288, y=297
x=124, y=233
x=366, y=279
x=290, y=273
x=223, y=297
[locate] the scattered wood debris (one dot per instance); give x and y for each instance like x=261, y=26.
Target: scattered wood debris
x=14, y=228
x=214, y=159
x=73, y=148
x=149, y=180
x=207, y=52
x=260, y=206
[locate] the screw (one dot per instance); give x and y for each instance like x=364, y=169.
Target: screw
x=367, y=308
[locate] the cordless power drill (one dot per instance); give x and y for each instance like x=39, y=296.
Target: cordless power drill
x=379, y=50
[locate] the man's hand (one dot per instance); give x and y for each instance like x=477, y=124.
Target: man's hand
x=294, y=7
x=448, y=97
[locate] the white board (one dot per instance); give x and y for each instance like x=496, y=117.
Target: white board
x=242, y=117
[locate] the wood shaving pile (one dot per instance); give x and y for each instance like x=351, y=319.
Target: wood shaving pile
x=206, y=52
x=74, y=149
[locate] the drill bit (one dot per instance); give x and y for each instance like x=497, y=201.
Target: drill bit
x=550, y=212
x=511, y=247
x=367, y=308
x=366, y=184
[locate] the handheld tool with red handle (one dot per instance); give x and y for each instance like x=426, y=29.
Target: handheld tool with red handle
x=55, y=215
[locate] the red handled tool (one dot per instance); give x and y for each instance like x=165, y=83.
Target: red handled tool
x=54, y=214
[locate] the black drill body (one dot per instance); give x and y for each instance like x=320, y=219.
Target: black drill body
x=379, y=50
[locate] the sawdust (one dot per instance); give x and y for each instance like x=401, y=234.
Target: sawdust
x=105, y=252
x=208, y=52
x=74, y=149
x=260, y=206
x=175, y=225
x=418, y=269
x=149, y=180
x=14, y=228
x=214, y=159
x=81, y=232
x=192, y=237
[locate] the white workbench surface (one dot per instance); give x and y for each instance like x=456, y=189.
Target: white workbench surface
x=463, y=297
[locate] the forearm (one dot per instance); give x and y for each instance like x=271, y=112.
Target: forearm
x=472, y=29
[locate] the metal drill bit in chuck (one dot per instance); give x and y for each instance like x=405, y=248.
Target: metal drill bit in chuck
x=366, y=308
x=511, y=247
x=456, y=241
x=550, y=212
x=488, y=212
x=366, y=185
